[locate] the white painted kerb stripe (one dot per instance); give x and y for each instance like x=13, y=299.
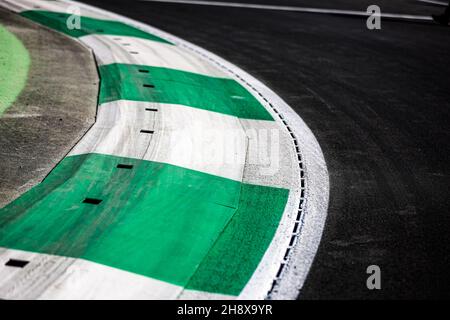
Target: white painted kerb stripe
x=289, y=8
x=183, y=136
x=54, y=277
x=116, y=49
x=49, y=276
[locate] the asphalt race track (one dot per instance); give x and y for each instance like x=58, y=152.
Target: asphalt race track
x=378, y=102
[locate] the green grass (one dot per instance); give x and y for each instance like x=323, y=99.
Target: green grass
x=14, y=66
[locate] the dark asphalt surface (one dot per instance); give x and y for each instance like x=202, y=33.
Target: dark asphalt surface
x=378, y=102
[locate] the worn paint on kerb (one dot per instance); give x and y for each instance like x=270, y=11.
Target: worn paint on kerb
x=181, y=226
x=14, y=65
x=123, y=81
x=164, y=85
x=58, y=21
x=157, y=220
x=239, y=249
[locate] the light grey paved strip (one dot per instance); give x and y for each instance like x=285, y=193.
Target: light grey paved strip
x=296, y=9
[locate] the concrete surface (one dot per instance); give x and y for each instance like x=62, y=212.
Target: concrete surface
x=51, y=114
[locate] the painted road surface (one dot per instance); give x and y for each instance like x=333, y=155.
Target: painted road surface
x=146, y=193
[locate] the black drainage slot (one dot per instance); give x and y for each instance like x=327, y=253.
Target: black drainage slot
x=295, y=227
x=151, y=109
x=125, y=166
x=134, y=52
x=280, y=270
x=148, y=86
x=291, y=243
x=92, y=201
x=16, y=263
x=274, y=283
x=147, y=131
x=143, y=71
x=286, y=255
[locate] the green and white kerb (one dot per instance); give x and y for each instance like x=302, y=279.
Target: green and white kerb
x=161, y=199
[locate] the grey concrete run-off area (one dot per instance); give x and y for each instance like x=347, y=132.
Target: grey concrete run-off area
x=55, y=109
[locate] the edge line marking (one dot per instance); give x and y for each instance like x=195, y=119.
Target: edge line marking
x=295, y=9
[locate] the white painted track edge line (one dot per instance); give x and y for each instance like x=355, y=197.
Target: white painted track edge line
x=438, y=3
x=294, y=9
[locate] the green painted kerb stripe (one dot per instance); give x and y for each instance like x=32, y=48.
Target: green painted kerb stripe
x=128, y=82
x=236, y=254
x=173, y=224
x=58, y=21
x=14, y=65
